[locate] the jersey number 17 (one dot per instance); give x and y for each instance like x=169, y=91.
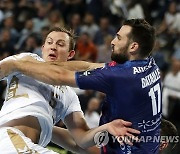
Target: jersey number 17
x=156, y=99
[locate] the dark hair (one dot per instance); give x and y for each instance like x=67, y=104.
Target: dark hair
x=70, y=34
x=142, y=33
x=168, y=129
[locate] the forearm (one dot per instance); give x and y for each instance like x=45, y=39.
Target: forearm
x=46, y=72
x=63, y=138
x=85, y=139
x=79, y=65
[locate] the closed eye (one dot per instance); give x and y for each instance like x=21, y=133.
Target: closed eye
x=118, y=36
x=61, y=44
x=49, y=42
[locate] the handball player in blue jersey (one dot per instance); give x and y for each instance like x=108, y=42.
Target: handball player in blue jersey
x=131, y=83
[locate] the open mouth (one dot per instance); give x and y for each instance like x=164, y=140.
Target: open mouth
x=52, y=56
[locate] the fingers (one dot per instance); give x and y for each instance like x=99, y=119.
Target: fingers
x=132, y=137
x=134, y=131
x=126, y=123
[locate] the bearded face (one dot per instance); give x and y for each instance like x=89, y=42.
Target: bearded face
x=120, y=45
x=121, y=56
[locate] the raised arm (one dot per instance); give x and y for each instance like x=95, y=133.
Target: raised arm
x=51, y=73
x=79, y=65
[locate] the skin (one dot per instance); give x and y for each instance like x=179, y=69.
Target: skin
x=55, y=49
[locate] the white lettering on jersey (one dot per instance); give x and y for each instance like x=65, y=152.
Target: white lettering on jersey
x=150, y=78
x=140, y=69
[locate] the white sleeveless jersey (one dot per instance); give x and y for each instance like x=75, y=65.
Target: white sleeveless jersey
x=26, y=94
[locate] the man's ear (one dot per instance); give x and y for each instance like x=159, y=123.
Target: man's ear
x=163, y=146
x=71, y=54
x=134, y=47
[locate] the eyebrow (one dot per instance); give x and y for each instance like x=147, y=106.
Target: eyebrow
x=57, y=40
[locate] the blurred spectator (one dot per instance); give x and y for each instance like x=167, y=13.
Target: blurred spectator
x=171, y=85
x=1, y=16
x=91, y=115
x=47, y=3
x=171, y=19
x=105, y=50
x=69, y=7
x=135, y=10
x=6, y=44
x=32, y=44
x=105, y=29
x=160, y=59
x=7, y=5
x=44, y=32
x=9, y=23
x=89, y=26
x=171, y=97
x=157, y=9
x=85, y=48
x=75, y=23
x=118, y=10
x=24, y=33
x=169, y=28
x=85, y=97
x=96, y=8
x=41, y=20
x=25, y=10
x=55, y=19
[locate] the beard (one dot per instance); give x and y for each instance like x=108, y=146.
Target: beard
x=122, y=57
x=119, y=58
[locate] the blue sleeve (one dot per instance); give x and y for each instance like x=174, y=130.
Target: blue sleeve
x=98, y=79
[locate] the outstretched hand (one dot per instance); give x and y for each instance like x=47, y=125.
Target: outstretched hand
x=122, y=131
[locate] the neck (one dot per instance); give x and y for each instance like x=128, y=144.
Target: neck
x=136, y=57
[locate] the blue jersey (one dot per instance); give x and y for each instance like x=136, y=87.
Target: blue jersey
x=133, y=93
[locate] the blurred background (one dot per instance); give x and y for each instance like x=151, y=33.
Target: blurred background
x=25, y=23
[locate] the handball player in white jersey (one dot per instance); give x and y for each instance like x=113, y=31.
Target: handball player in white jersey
x=32, y=108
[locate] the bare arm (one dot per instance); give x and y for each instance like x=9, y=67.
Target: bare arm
x=51, y=73
x=45, y=72
x=79, y=65
x=63, y=138
x=84, y=136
